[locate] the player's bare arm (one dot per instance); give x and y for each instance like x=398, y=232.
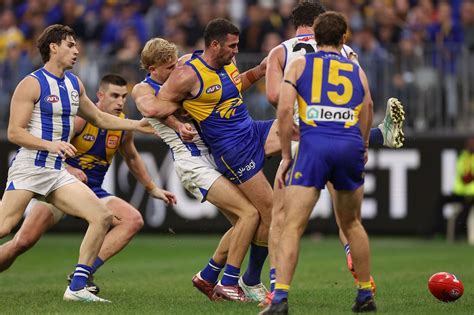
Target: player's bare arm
x=144, y=97
x=26, y=94
x=274, y=74
x=251, y=76
x=366, y=113
x=182, y=84
x=137, y=167
x=98, y=118
x=285, y=113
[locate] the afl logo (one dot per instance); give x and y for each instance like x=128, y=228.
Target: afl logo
x=213, y=88
x=88, y=137
x=51, y=98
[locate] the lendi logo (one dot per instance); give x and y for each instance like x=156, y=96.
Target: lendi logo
x=328, y=113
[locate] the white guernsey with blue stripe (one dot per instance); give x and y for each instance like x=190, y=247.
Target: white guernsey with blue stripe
x=52, y=118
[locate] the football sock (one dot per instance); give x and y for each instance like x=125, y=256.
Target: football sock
x=281, y=293
x=211, y=272
x=272, y=279
x=97, y=263
x=364, y=295
x=376, y=136
x=81, y=274
x=365, y=285
x=258, y=254
x=231, y=275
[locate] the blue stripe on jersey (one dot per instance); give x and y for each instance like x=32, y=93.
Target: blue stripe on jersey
x=46, y=117
x=191, y=146
x=199, y=77
x=66, y=106
x=74, y=81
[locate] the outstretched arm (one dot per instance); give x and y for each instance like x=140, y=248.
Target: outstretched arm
x=251, y=76
x=137, y=167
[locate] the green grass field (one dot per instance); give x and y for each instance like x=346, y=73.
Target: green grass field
x=153, y=276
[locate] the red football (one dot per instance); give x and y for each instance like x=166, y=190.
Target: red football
x=445, y=286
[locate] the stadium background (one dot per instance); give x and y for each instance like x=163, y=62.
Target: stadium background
x=419, y=51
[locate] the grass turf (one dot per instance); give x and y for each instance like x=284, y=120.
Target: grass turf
x=153, y=276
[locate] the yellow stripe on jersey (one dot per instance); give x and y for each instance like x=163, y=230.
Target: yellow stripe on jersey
x=210, y=96
x=302, y=106
x=357, y=110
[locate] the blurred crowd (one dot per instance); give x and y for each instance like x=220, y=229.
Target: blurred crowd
x=417, y=50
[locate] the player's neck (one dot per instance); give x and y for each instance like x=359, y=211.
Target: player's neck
x=303, y=30
x=156, y=79
x=54, y=68
x=210, y=60
x=336, y=50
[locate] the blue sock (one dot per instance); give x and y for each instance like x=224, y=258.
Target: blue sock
x=258, y=254
x=364, y=295
x=376, y=136
x=279, y=296
x=272, y=279
x=211, y=272
x=97, y=263
x=231, y=275
x=81, y=274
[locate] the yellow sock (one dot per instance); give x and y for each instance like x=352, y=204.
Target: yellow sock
x=281, y=286
x=365, y=285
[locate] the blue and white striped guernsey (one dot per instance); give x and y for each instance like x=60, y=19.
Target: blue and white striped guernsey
x=52, y=118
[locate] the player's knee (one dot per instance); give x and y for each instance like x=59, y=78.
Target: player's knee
x=103, y=218
x=136, y=223
x=23, y=243
x=250, y=217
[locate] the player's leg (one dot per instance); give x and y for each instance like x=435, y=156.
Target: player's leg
x=126, y=223
x=258, y=190
x=244, y=217
x=298, y=204
x=347, y=205
x=13, y=206
x=86, y=205
x=40, y=218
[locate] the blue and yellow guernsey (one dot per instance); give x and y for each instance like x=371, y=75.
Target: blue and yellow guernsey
x=218, y=107
x=330, y=95
x=95, y=150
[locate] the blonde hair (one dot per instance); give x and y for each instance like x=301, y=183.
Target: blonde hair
x=157, y=51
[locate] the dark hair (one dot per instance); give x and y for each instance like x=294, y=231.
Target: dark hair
x=112, y=78
x=53, y=34
x=305, y=13
x=329, y=29
x=218, y=29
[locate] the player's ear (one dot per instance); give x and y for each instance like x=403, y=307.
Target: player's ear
x=53, y=47
x=99, y=94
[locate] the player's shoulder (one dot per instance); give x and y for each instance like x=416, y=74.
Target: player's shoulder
x=141, y=88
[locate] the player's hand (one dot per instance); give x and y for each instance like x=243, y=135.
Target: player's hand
x=158, y=193
x=62, y=148
x=186, y=132
x=78, y=173
x=145, y=127
x=281, y=172
x=366, y=155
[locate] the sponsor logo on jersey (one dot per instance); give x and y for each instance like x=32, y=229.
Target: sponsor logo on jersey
x=235, y=76
x=112, y=141
x=51, y=98
x=298, y=175
x=213, y=88
x=74, y=96
x=88, y=137
x=328, y=113
x=246, y=168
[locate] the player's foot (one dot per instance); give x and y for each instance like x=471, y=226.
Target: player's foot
x=268, y=299
x=280, y=308
x=206, y=287
x=230, y=293
x=82, y=295
x=256, y=293
x=90, y=285
x=392, y=124
x=365, y=306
